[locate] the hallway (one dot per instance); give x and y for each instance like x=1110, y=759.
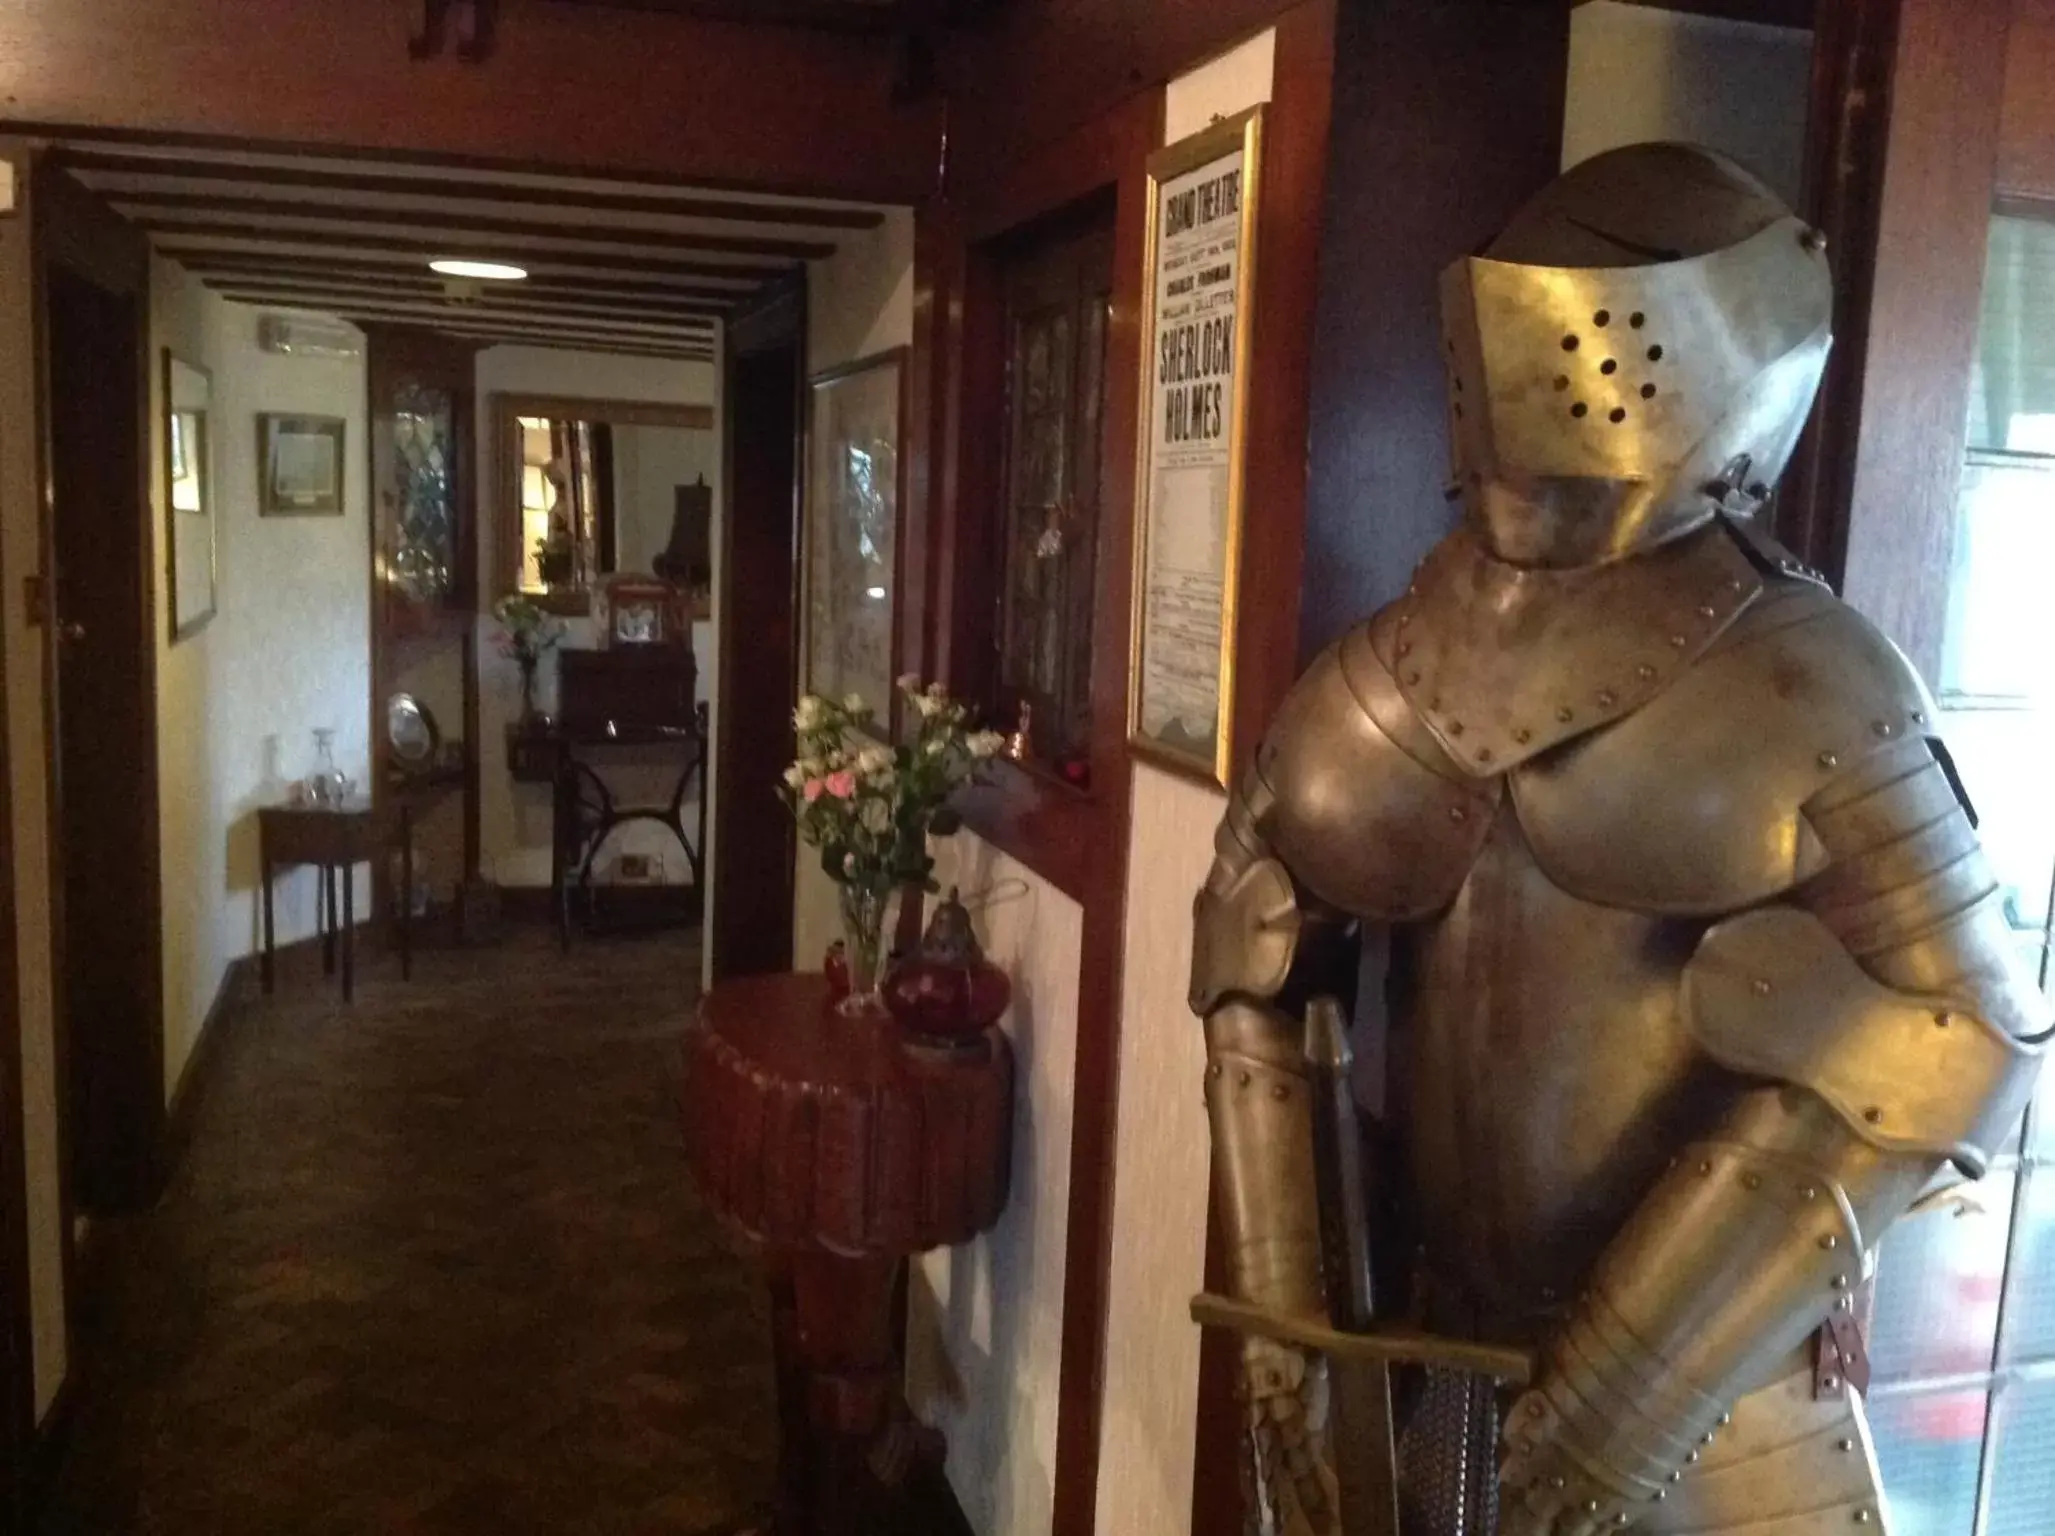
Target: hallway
x=432, y=1263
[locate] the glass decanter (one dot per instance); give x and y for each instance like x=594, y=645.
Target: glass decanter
x=326, y=785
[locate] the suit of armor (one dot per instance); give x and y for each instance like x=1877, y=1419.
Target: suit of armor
x=1697, y=977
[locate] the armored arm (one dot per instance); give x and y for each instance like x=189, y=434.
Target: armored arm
x=1349, y=813
x=1881, y=1011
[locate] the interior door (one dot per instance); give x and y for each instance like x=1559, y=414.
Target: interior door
x=753, y=846
x=104, y=716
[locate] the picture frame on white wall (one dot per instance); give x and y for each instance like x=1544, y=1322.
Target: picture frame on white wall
x=188, y=495
x=300, y=465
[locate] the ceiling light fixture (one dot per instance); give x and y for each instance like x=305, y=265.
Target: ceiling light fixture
x=491, y=271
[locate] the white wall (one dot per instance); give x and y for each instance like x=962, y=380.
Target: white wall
x=288, y=650
x=514, y=819
x=1639, y=72
x=20, y=544
x=1161, y=1151
x=985, y=1320
x=858, y=302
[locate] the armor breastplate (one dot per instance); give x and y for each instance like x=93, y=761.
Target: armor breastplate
x=1547, y=1074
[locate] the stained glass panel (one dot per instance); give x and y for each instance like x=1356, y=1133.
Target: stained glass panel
x=424, y=554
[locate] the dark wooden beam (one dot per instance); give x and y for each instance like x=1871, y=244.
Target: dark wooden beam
x=176, y=238
x=431, y=291
x=270, y=213
x=515, y=336
x=1798, y=14
x=314, y=178
x=449, y=317
x=408, y=267
x=568, y=89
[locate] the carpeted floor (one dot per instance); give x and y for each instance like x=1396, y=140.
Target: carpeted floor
x=433, y=1264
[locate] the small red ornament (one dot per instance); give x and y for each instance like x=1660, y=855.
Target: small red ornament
x=947, y=990
x=836, y=964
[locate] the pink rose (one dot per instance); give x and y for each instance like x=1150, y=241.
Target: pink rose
x=812, y=791
x=842, y=785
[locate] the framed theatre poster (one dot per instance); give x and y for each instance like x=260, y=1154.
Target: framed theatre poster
x=1195, y=335
x=299, y=466
x=188, y=495
x=850, y=541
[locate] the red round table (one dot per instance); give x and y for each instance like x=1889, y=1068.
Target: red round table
x=836, y=1149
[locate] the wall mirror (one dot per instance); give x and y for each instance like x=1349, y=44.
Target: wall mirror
x=188, y=495
x=590, y=488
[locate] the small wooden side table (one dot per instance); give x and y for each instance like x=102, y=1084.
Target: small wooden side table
x=836, y=1150
x=334, y=840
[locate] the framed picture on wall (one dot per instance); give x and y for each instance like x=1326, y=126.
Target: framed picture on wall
x=1196, y=335
x=849, y=544
x=188, y=495
x=299, y=466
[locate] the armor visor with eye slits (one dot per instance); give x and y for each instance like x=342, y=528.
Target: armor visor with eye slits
x=1595, y=410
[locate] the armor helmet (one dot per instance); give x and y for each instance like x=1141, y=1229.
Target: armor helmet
x=1637, y=351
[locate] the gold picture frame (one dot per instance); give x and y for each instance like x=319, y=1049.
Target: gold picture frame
x=1198, y=277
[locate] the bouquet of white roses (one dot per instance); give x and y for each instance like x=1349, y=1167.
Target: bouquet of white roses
x=869, y=807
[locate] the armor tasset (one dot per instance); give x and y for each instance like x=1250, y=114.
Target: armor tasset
x=1698, y=977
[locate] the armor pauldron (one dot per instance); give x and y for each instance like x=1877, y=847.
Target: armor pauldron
x=1721, y=767
x=1360, y=818
x=1773, y=994
x=1245, y=931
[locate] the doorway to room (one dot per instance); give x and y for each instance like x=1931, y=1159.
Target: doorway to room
x=102, y=703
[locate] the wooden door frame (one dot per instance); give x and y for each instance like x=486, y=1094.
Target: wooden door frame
x=774, y=320
x=74, y=230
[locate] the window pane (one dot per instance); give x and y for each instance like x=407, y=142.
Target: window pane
x=1938, y=1279
x=1929, y=1445
x=2012, y=402
x=2023, y=1468
x=2029, y=1332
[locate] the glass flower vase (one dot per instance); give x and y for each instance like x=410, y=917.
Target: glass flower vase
x=865, y=921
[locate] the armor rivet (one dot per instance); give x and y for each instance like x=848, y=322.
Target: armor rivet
x=1602, y=319
x=1726, y=1419
x=1609, y=366
x=1735, y=584
x=1484, y=754
x=1580, y=410
x=1242, y=1078
x=1570, y=343
x=1814, y=240
x=1873, y=1114
x=1882, y=727
x=1760, y=986
x=1692, y=1457
x=1831, y=1383
x=1706, y=1438
x=1413, y=678
x=1840, y=1282
x=1811, y=1192
x=1829, y=760
x=1548, y=1293
x=1645, y=672
x=1919, y=717
x=1655, y=353
x=1536, y=1406
x=1456, y=813
x=1605, y=698
x=1661, y=1494
x=1623, y=1518
x=1523, y=735
x=1455, y=727
x=1555, y=1482
x=1943, y=1019
x=1405, y=619
x=1648, y=391
x=1846, y=1303
x=1679, y=641
x=1405, y=647
x=1706, y=611
x=1705, y=1169
x=1566, y=714
x=1434, y=704
x=1862, y=1517
x=1830, y=1241
x=1751, y=1181
x=1591, y=1506
x=1637, y=319
x=1677, y=1477
x=1844, y=1445
x=1279, y=1091
x=1616, y=415
x=1213, y=1070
